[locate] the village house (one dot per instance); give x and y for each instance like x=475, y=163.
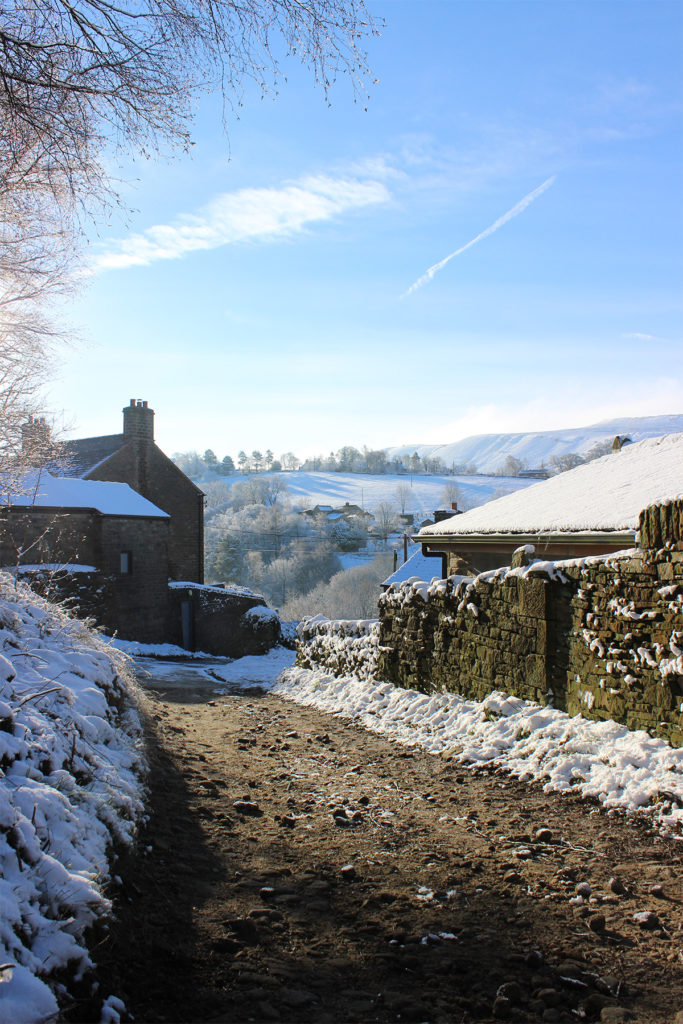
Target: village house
x=118, y=529
x=347, y=511
x=590, y=510
x=98, y=543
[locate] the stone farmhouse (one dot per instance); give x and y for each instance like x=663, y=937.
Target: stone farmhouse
x=118, y=529
x=98, y=543
x=132, y=457
x=590, y=510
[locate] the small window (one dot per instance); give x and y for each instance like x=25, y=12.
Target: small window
x=126, y=563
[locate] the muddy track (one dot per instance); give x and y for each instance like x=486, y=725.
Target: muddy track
x=297, y=868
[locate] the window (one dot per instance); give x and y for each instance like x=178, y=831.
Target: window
x=126, y=563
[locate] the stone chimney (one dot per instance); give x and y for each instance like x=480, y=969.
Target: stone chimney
x=36, y=440
x=138, y=422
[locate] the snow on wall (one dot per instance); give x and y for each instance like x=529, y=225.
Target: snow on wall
x=71, y=769
x=606, y=494
x=345, y=646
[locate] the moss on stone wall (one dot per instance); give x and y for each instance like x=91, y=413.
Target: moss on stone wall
x=597, y=637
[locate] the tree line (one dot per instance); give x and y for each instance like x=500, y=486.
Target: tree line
x=346, y=460
x=372, y=461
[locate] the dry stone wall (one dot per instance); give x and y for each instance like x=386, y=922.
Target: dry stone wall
x=345, y=647
x=602, y=637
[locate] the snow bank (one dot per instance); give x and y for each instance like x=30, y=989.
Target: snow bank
x=628, y=771
x=70, y=790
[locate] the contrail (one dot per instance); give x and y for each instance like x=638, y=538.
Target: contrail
x=518, y=208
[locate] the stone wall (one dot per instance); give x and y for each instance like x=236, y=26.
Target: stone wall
x=227, y=621
x=82, y=593
x=345, y=647
x=600, y=636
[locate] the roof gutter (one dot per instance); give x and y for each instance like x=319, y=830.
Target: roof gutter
x=623, y=537
x=438, y=554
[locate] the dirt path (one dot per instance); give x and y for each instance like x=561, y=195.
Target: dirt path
x=297, y=868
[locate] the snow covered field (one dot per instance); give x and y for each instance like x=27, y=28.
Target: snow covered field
x=71, y=790
x=309, y=489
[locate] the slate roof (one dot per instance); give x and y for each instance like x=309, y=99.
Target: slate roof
x=418, y=565
x=84, y=453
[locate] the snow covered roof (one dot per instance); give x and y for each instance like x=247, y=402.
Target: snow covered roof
x=604, y=495
x=417, y=565
x=43, y=490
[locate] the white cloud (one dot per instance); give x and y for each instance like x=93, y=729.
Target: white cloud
x=247, y=214
x=516, y=209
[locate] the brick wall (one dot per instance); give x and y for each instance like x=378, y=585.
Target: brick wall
x=602, y=637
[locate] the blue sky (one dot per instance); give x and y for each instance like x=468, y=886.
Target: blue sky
x=259, y=294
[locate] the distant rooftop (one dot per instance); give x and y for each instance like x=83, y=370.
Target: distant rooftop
x=417, y=565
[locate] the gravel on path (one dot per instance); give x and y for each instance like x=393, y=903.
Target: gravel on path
x=298, y=868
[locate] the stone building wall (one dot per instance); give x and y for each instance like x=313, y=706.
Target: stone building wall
x=134, y=603
x=153, y=475
x=49, y=535
x=600, y=636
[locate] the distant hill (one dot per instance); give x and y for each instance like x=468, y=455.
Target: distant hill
x=488, y=451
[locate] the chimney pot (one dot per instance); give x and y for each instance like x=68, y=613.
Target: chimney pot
x=138, y=421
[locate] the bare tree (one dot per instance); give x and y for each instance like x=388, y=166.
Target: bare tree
x=80, y=79
x=511, y=467
x=403, y=493
x=78, y=76
x=385, y=519
x=452, y=495
x=570, y=460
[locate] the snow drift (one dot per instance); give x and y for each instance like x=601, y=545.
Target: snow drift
x=71, y=769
